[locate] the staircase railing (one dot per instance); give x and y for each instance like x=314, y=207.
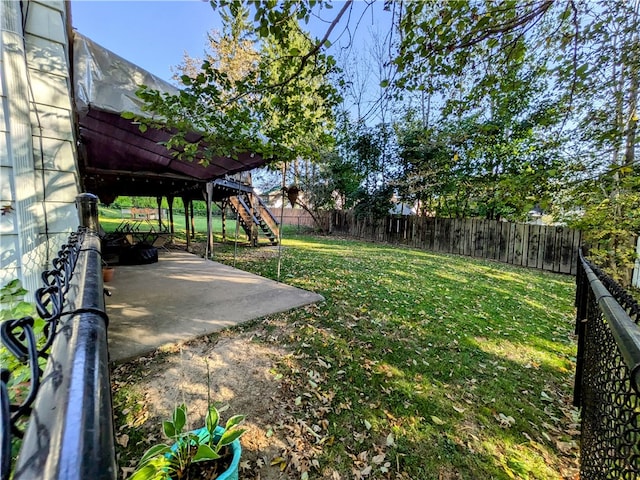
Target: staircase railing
x=268, y=217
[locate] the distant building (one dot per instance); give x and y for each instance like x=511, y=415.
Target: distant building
x=534, y=216
x=402, y=208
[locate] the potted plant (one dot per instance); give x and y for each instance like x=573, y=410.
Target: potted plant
x=211, y=452
x=292, y=194
x=107, y=272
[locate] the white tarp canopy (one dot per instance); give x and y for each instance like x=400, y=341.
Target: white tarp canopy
x=105, y=81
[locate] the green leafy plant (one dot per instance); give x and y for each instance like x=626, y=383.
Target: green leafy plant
x=208, y=444
x=13, y=306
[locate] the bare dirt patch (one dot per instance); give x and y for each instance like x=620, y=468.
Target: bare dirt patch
x=239, y=373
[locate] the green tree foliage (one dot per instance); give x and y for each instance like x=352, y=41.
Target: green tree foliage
x=583, y=58
x=518, y=101
x=249, y=94
x=495, y=160
x=611, y=221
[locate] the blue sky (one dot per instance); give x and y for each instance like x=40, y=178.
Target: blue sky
x=155, y=34
x=151, y=34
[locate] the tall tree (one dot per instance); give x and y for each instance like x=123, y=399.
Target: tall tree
x=587, y=53
x=253, y=94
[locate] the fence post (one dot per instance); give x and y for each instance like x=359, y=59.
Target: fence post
x=87, y=205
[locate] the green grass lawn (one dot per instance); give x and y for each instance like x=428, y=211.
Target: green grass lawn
x=427, y=366
x=110, y=220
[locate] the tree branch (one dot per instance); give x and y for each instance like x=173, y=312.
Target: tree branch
x=314, y=51
x=505, y=27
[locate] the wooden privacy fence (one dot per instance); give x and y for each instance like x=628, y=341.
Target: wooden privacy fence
x=537, y=246
x=294, y=216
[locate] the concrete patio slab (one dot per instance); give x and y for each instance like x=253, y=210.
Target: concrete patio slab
x=184, y=296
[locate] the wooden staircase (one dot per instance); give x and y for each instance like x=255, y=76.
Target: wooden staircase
x=252, y=213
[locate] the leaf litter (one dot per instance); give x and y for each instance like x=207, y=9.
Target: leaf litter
x=302, y=366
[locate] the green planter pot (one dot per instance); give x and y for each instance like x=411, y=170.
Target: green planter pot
x=230, y=473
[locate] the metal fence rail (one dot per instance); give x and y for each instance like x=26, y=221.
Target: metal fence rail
x=607, y=377
x=70, y=431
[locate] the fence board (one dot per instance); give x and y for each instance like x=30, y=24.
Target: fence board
x=485, y=245
x=436, y=234
x=502, y=241
x=518, y=233
x=431, y=225
x=468, y=232
x=478, y=238
x=495, y=240
x=541, y=246
x=456, y=238
x=565, y=257
x=506, y=237
x=499, y=242
x=405, y=231
x=563, y=253
x=542, y=238
x=549, y=249
x=445, y=239
x=489, y=246
x=533, y=243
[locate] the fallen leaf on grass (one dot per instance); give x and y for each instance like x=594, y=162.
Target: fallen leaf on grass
x=565, y=447
x=123, y=440
x=505, y=421
x=390, y=440
x=437, y=421
x=280, y=462
x=126, y=471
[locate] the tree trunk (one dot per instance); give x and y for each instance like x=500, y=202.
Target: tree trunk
x=632, y=122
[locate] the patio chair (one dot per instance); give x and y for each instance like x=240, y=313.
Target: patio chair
x=161, y=240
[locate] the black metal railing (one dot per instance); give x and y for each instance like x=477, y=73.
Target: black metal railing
x=68, y=405
x=607, y=384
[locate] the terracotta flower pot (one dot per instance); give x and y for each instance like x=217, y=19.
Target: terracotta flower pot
x=107, y=274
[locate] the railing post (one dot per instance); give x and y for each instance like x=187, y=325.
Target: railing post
x=87, y=205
